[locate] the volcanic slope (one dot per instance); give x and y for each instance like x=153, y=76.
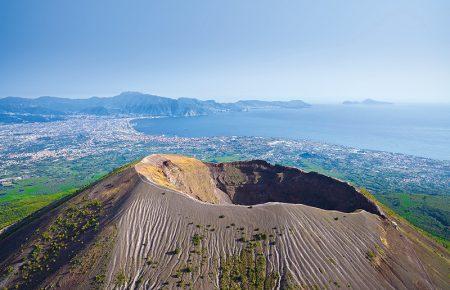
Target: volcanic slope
x=171, y=221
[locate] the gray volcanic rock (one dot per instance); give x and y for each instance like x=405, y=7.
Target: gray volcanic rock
x=135, y=229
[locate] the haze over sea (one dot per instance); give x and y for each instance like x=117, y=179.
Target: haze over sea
x=420, y=130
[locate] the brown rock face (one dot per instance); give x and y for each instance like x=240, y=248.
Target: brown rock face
x=256, y=182
x=252, y=182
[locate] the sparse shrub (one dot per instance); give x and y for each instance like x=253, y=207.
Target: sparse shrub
x=180, y=283
x=99, y=279
x=139, y=281
x=272, y=280
x=149, y=261
x=247, y=270
x=174, y=252
x=187, y=270
x=370, y=255
x=242, y=239
x=237, y=278
x=121, y=279
x=196, y=239
x=46, y=236
x=260, y=237
x=66, y=230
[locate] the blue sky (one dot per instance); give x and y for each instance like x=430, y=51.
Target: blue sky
x=319, y=51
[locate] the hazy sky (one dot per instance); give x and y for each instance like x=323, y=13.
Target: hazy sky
x=319, y=51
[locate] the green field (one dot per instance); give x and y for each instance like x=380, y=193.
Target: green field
x=224, y=158
x=29, y=195
x=62, y=179
x=428, y=212
x=14, y=207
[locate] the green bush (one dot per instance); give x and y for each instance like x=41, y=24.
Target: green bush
x=121, y=279
x=196, y=239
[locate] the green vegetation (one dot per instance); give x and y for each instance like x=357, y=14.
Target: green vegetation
x=14, y=207
x=429, y=212
x=247, y=270
x=121, y=279
x=51, y=181
x=196, y=239
x=287, y=282
x=149, y=261
x=224, y=158
x=390, y=211
x=174, y=252
x=187, y=270
x=370, y=255
x=309, y=166
x=64, y=232
x=99, y=280
x=260, y=237
x=139, y=282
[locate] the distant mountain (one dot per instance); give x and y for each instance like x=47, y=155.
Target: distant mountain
x=255, y=104
x=366, y=102
x=131, y=103
x=27, y=118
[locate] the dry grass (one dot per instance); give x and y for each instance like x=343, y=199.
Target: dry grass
x=181, y=173
x=155, y=174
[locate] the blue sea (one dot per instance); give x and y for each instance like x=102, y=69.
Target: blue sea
x=421, y=130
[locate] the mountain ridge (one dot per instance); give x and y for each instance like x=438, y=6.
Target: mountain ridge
x=368, y=102
x=133, y=103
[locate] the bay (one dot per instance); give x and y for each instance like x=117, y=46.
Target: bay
x=420, y=130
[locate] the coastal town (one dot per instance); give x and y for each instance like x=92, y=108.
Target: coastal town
x=27, y=149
